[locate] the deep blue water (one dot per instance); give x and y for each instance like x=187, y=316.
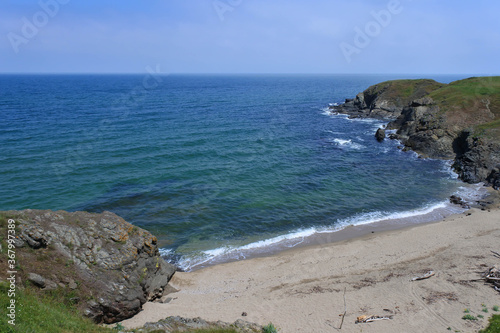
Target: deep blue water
x=206, y=161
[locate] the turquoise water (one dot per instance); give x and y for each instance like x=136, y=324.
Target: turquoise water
x=205, y=162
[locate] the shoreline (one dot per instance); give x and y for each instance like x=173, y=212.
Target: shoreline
x=301, y=289
x=354, y=227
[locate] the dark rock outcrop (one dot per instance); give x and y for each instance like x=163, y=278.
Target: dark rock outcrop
x=386, y=100
x=179, y=324
x=459, y=121
x=380, y=135
x=422, y=128
x=456, y=200
x=494, y=178
x=477, y=159
x=117, y=264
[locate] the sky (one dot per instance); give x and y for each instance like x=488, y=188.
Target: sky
x=250, y=36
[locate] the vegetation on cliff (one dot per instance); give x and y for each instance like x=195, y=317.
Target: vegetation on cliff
x=473, y=102
x=99, y=263
x=401, y=92
x=459, y=121
x=45, y=312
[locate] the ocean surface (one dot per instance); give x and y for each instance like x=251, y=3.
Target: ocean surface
x=218, y=167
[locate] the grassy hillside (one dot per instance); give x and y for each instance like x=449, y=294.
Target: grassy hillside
x=401, y=92
x=473, y=102
x=44, y=313
x=470, y=103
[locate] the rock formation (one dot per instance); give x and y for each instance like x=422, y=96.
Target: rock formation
x=380, y=135
x=113, y=266
x=459, y=121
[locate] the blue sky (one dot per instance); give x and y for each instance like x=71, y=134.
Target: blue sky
x=250, y=36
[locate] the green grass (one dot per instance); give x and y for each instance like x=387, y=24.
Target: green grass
x=469, y=317
x=469, y=94
x=44, y=313
x=269, y=329
x=3, y=232
x=211, y=330
x=404, y=91
x=494, y=326
x=495, y=308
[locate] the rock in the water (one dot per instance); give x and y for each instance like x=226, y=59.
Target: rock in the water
x=464, y=128
x=112, y=260
x=456, y=200
x=380, y=135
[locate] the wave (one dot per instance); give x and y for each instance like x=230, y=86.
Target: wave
x=348, y=144
x=427, y=213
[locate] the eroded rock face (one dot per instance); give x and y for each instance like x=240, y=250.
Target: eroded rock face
x=118, y=262
x=422, y=128
x=386, y=100
x=432, y=129
x=478, y=159
x=380, y=135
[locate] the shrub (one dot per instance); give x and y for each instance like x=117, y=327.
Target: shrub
x=469, y=317
x=269, y=329
x=494, y=326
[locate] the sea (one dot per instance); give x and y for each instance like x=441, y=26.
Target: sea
x=218, y=167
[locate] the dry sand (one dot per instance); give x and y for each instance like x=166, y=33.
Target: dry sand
x=302, y=290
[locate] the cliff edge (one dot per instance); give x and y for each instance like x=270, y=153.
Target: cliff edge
x=107, y=267
x=459, y=121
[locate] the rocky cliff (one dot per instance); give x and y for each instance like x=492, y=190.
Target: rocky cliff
x=459, y=121
x=110, y=266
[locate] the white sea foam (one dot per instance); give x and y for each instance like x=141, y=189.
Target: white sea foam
x=348, y=144
x=227, y=253
x=165, y=252
x=428, y=213
x=326, y=111
x=471, y=193
x=448, y=169
x=367, y=120
x=417, y=215
x=342, y=142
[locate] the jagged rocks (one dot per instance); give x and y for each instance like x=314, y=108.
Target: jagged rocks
x=380, y=135
x=456, y=200
x=117, y=264
x=386, y=100
x=179, y=324
x=442, y=121
x=477, y=159
x=494, y=178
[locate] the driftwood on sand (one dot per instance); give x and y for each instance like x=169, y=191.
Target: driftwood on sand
x=370, y=318
x=492, y=276
x=425, y=276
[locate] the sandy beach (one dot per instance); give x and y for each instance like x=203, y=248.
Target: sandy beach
x=303, y=290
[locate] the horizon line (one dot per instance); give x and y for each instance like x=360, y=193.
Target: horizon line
x=233, y=73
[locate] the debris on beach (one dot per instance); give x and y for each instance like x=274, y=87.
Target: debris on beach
x=492, y=276
x=425, y=276
x=371, y=318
